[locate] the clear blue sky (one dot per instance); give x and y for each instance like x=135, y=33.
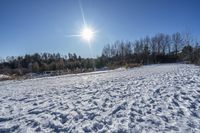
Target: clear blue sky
x=28, y=26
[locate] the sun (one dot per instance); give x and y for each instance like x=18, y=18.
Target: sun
x=87, y=34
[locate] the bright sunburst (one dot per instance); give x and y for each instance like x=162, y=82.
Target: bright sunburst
x=87, y=34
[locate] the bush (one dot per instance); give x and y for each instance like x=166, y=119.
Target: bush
x=132, y=65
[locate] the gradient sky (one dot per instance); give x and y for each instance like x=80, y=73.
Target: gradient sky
x=29, y=26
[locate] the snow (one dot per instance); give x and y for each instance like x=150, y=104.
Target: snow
x=155, y=98
x=4, y=77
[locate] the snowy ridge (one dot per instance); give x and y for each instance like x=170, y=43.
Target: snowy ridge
x=156, y=98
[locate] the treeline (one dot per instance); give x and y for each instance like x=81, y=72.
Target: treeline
x=161, y=48
x=38, y=63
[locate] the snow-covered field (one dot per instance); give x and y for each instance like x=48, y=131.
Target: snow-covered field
x=155, y=98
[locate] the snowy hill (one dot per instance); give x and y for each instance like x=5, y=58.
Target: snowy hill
x=155, y=98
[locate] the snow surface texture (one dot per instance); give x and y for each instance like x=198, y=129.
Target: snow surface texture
x=155, y=98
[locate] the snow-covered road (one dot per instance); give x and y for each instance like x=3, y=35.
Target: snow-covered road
x=155, y=98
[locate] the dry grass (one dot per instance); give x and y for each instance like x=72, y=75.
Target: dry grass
x=132, y=65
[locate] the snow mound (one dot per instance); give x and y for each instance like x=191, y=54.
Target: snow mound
x=4, y=77
x=156, y=98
